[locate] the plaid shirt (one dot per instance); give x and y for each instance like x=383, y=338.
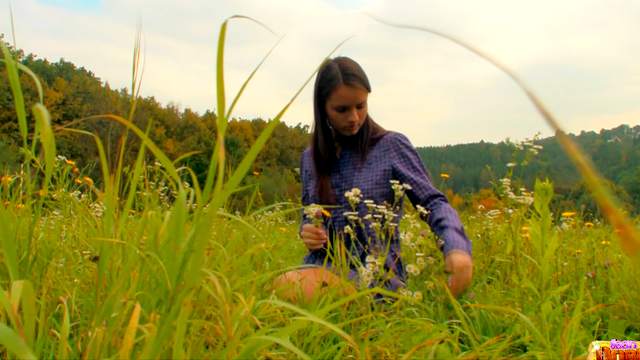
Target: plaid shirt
x=392, y=158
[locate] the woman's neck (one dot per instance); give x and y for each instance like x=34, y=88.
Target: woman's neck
x=346, y=142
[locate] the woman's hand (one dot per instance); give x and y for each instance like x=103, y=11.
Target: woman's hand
x=458, y=263
x=314, y=237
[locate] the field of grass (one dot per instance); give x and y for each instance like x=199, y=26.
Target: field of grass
x=146, y=265
x=176, y=282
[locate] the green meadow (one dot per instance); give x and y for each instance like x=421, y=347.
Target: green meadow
x=150, y=262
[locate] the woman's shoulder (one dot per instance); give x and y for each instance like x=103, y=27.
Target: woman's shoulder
x=394, y=138
x=306, y=157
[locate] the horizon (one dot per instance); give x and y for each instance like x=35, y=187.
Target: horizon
x=201, y=113
x=431, y=90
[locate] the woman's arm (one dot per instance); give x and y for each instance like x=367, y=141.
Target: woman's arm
x=442, y=218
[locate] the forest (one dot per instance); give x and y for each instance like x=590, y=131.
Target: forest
x=72, y=94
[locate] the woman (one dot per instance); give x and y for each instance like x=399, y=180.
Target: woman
x=349, y=150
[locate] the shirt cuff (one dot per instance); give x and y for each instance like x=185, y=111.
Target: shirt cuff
x=455, y=241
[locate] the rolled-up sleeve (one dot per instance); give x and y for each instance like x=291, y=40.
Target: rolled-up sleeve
x=443, y=219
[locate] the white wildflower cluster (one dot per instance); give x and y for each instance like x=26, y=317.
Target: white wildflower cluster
x=492, y=214
x=156, y=188
x=348, y=230
x=379, y=221
x=398, y=190
x=413, y=269
x=97, y=209
x=523, y=197
x=354, y=196
x=421, y=262
x=352, y=216
x=424, y=213
x=313, y=213
x=524, y=152
x=379, y=217
x=407, y=240
x=414, y=295
x=529, y=145
x=371, y=270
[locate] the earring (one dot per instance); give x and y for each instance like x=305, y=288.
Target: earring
x=329, y=124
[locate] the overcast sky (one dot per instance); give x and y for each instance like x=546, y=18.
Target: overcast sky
x=580, y=56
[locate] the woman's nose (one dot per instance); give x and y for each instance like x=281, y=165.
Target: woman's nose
x=353, y=115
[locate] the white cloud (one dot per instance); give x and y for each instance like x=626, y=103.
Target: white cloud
x=580, y=56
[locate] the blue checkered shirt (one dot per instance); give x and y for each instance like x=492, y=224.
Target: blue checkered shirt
x=392, y=158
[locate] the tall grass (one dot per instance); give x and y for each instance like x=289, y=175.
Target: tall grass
x=151, y=266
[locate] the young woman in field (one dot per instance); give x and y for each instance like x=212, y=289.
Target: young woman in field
x=349, y=150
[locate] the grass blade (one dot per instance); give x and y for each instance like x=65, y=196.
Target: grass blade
x=244, y=166
x=130, y=333
x=608, y=202
x=160, y=156
x=285, y=343
x=22, y=293
x=525, y=320
x=9, y=242
x=255, y=70
x=63, y=345
x=14, y=343
x=305, y=315
x=181, y=329
x=217, y=163
x=33, y=76
x=16, y=90
x=43, y=119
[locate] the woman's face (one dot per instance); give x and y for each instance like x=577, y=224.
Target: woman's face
x=346, y=108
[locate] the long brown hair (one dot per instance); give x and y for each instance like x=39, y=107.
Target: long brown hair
x=334, y=72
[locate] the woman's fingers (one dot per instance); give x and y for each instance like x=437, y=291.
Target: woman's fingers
x=313, y=243
x=313, y=237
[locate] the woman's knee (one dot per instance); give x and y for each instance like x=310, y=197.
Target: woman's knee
x=307, y=284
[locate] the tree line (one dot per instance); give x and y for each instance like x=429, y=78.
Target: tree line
x=472, y=167
x=74, y=93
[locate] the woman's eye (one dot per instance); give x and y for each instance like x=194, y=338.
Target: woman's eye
x=341, y=109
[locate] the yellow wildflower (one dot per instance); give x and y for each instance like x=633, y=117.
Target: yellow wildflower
x=78, y=181
x=326, y=213
x=5, y=180
x=70, y=162
x=605, y=242
x=588, y=224
x=256, y=173
x=568, y=214
x=75, y=170
x=19, y=206
x=444, y=176
x=578, y=252
x=87, y=180
x=42, y=192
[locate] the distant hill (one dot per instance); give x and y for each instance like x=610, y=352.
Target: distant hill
x=615, y=152
x=72, y=93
